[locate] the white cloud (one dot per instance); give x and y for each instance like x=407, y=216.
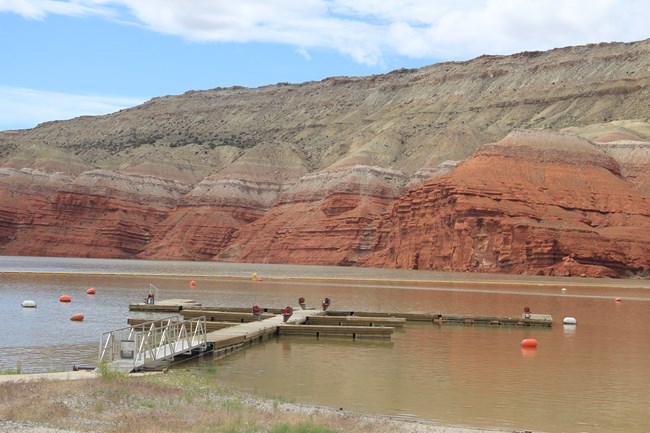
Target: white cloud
x=367, y=30
x=39, y=9
x=25, y=108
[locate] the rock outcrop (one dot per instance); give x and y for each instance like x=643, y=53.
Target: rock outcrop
x=371, y=171
x=534, y=202
x=97, y=214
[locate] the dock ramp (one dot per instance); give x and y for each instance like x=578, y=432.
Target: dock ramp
x=135, y=347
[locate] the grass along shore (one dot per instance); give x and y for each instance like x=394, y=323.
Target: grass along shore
x=176, y=401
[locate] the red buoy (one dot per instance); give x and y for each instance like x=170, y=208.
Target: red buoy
x=618, y=299
x=529, y=342
x=77, y=317
x=90, y=291
x=192, y=284
x=65, y=298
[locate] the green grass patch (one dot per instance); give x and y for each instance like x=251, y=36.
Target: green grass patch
x=304, y=427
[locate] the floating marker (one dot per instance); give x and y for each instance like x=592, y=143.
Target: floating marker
x=90, y=291
x=65, y=298
x=529, y=342
x=569, y=321
x=192, y=284
x=563, y=290
x=77, y=317
x=618, y=299
x=29, y=304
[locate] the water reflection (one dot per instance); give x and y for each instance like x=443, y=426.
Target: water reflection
x=528, y=352
x=569, y=330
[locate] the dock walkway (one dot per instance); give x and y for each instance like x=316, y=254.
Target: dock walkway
x=132, y=348
x=227, y=340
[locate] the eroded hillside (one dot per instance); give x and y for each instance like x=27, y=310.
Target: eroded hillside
x=314, y=172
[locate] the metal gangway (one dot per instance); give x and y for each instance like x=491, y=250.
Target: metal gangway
x=134, y=347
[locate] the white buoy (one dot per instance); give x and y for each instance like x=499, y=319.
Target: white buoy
x=563, y=290
x=569, y=321
x=29, y=304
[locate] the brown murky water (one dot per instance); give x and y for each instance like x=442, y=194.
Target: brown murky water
x=592, y=377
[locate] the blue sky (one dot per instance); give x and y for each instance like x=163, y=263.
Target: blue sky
x=66, y=58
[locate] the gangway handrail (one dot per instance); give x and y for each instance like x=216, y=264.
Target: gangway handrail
x=154, y=341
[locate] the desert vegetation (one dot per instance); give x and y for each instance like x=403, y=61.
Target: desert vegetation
x=177, y=401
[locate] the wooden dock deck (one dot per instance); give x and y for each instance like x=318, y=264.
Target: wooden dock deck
x=227, y=340
x=165, y=306
x=337, y=331
x=226, y=316
x=369, y=321
x=542, y=320
x=209, y=325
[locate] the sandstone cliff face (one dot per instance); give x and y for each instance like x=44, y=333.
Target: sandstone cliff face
x=326, y=219
x=343, y=171
x=97, y=214
x=533, y=202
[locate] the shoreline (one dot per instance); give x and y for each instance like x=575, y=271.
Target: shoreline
x=365, y=421
x=488, y=279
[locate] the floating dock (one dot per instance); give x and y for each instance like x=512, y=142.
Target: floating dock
x=229, y=329
x=190, y=309
x=209, y=325
x=337, y=331
x=227, y=340
x=166, y=306
x=543, y=320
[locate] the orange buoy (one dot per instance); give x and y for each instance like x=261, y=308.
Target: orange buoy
x=260, y=279
x=77, y=317
x=529, y=342
x=90, y=291
x=192, y=284
x=65, y=298
x=618, y=299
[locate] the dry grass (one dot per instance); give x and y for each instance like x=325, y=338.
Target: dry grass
x=179, y=401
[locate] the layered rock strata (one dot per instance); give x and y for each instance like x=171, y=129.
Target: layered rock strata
x=533, y=202
x=373, y=171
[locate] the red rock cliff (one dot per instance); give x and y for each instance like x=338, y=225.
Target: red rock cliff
x=532, y=203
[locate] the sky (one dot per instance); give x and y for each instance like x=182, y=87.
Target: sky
x=61, y=59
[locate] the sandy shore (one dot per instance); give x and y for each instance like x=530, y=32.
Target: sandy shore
x=61, y=375
x=394, y=424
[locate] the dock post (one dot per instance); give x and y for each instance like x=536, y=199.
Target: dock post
x=257, y=312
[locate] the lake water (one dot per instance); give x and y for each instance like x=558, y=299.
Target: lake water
x=592, y=377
